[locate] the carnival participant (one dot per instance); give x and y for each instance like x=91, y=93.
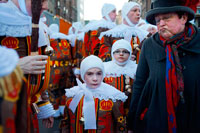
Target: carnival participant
x=76, y=28
x=131, y=12
x=94, y=105
x=20, y=31
x=61, y=68
x=93, y=29
x=78, y=48
x=166, y=89
x=120, y=72
x=11, y=77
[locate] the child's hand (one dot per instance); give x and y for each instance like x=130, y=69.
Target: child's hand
x=48, y=122
x=133, y=57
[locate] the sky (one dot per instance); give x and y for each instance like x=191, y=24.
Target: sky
x=92, y=8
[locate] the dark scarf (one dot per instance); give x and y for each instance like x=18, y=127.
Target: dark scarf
x=174, y=81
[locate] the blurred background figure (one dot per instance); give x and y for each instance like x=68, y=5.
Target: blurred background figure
x=11, y=77
x=128, y=30
x=93, y=29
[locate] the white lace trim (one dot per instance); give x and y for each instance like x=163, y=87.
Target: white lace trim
x=114, y=70
x=80, y=36
x=13, y=22
x=123, y=31
x=58, y=36
x=97, y=24
x=15, y=30
x=104, y=92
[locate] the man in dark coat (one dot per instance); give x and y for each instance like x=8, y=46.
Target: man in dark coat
x=166, y=92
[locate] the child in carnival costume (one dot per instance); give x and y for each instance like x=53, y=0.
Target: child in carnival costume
x=93, y=106
x=120, y=72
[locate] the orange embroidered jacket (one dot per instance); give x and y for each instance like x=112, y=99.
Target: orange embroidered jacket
x=92, y=42
x=61, y=74
x=109, y=117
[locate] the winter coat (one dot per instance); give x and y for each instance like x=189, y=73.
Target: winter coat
x=148, y=109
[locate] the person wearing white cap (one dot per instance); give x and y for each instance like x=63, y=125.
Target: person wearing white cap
x=78, y=47
x=92, y=30
x=127, y=30
x=61, y=60
x=120, y=72
x=11, y=77
x=76, y=29
x=20, y=30
x=93, y=105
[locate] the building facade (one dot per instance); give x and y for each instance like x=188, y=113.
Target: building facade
x=70, y=10
x=197, y=16
x=80, y=9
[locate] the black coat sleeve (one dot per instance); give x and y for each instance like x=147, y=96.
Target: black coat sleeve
x=142, y=75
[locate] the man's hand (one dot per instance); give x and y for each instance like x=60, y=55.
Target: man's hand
x=33, y=64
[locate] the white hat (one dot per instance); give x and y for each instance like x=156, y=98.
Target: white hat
x=91, y=62
x=126, y=8
x=121, y=44
x=106, y=9
x=8, y=60
x=54, y=28
x=77, y=26
x=70, y=31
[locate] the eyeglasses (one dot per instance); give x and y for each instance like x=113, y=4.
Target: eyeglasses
x=165, y=18
x=123, y=52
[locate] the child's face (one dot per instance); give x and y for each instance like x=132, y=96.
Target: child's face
x=93, y=77
x=121, y=55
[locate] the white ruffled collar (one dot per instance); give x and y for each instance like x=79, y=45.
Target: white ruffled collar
x=114, y=70
x=103, y=92
x=58, y=35
x=125, y=31
x=97, y=24
x=15, y=23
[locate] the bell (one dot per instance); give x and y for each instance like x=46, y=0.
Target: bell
x=129, y=90
x=136, y=46
x=127, y=87
x=48, y=51
x=82, y=120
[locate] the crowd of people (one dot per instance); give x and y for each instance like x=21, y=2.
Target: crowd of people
x=140, y=76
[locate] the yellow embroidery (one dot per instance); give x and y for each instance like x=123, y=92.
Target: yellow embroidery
x=106, y=105
x=120, y=119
